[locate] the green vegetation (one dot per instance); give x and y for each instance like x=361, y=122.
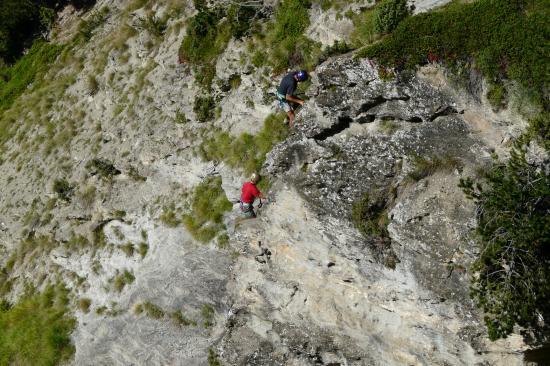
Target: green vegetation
x=104, y=168
x=84, y=304
x=370, y=216
x=207, y=313
x=208, y=206
x=496, y=95
x=506, y=39
x=389, y=14
x=123, y=279
x=169, y=216
x=512, y=282
x=128, y=249
x=213, y=358
x=36, y=330
x=63, y=189
x=424, y=167
x=178, y=319
x=204, y=108
x=247, y=151
x=152, y=310
x=288, y=47
x=143, y=248
x=388, y=126
x=87, y=196
x=87, y=26
x=15, y=79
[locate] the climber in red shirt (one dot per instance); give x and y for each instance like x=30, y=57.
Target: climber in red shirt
x=248, y=194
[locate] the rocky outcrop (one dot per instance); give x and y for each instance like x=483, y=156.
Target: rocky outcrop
x=321, y=297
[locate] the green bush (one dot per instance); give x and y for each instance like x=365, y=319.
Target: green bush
x=63, y=189
x=204, y=108
x=208, y=205
x=247, y=152
x=102, y=167
x=504, y=37
x=36, y=330
x=512, y=280
x=539, y=130
x=389, y=14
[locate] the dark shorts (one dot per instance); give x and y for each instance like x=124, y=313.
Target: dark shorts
x=247, y=209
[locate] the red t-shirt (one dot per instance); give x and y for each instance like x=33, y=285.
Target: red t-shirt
x=249, y=193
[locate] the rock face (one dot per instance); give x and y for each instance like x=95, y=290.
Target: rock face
x=300, y=285
x=321, y=297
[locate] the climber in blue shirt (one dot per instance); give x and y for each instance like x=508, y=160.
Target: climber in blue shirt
x=286, y=90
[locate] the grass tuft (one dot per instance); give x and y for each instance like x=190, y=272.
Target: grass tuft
x=425, y=167
x=36, y=330
x=209, y=203
x=247, y=152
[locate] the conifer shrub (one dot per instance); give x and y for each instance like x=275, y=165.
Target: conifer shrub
x=389, y=14
x=204, y=108
x=511, y=281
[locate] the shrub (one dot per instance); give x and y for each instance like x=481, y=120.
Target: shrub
x=63, y=189
x=208, y=206
x=288, y=46
x=539, y=130
x=104, y=168
x=512, y=280
x=204, y=108
x=389, y=14
x=36, y=330
x=504, y=37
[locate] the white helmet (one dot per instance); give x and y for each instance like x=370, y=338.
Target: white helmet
x=254, y=177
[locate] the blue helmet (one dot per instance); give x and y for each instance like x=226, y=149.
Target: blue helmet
x=301, y=75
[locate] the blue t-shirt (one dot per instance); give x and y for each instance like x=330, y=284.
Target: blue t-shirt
x=288, y=85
